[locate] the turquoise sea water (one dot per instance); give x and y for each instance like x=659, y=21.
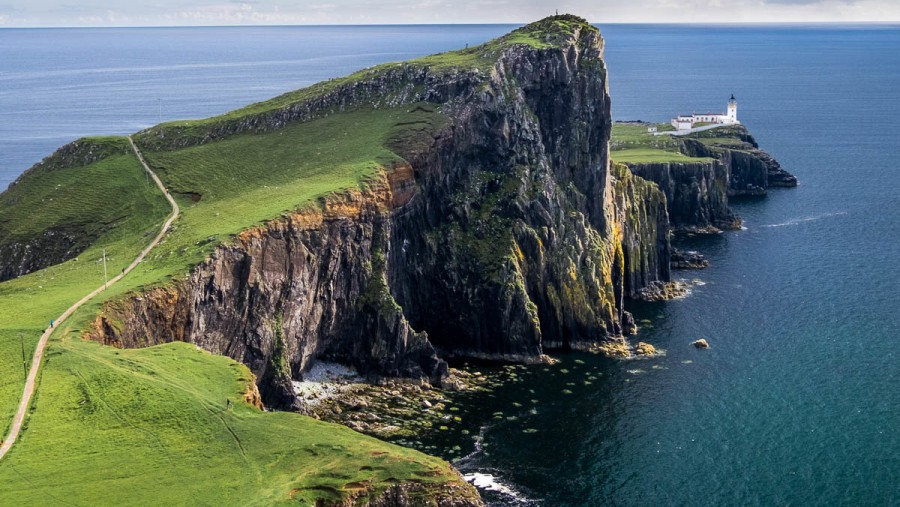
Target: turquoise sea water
x=796, y=403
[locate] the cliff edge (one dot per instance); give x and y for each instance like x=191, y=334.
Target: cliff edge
x=500, y=230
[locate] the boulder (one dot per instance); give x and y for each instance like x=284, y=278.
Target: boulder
x=644, y=349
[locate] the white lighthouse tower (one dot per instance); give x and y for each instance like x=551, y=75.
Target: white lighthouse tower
x=732, y=110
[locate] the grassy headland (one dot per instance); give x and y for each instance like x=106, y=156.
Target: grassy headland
x=122, y=426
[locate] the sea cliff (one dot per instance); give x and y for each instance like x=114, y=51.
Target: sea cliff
x=488, y=217
x=699, y=172
x=504, y=233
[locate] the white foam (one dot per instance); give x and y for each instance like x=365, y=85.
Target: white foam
x=811, y=218
x=489, y=482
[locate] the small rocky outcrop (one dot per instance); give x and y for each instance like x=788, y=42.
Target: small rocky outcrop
x=688, y=259
x=701, y=343
x=629, y=326
x=457, y=493
x=644, y=349
x=663, y=291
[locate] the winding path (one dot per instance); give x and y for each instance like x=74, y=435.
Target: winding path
x=28, y=393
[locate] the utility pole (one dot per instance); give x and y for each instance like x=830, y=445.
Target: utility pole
x=105, y=278
x=24, y=362
x=159, y=103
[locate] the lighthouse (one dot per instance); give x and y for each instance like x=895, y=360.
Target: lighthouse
x=687, y=122
x=732, y=109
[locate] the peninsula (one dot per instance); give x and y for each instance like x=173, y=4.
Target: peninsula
x=469, y=204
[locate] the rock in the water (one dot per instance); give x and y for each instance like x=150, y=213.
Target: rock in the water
x=614, y=349
x=689, y=259
x=663, y=291
x=644, y=349
x=629, y=327
x=701, y=344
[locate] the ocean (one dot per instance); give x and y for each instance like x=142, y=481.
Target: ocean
x=797, y=402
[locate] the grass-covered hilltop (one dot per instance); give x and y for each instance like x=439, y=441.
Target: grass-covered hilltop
x=463, y=204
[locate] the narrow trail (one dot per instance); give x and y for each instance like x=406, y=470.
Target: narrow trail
x=30, y=382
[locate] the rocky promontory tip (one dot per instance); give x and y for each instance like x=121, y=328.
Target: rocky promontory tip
x=699, y=171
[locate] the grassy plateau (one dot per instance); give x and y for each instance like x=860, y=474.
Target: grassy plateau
x=631, y=143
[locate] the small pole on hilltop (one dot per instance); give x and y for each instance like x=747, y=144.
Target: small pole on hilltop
x=159, y=103
x=105, y=277
x=24, y=362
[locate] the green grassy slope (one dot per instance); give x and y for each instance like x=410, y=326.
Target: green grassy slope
x=128, y=427
x=124, y=426
x=632, y=144
x=88, y=200
x=114, y=187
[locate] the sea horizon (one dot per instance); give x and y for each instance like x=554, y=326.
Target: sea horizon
x=795, y=401
x=786, y=24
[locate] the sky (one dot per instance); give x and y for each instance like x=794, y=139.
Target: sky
x=30, y=13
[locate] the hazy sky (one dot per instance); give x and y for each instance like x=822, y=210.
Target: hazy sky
x=224, y=12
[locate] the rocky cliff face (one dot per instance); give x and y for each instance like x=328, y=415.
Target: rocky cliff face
x=309, y=285
x=697, y=192
x=751, y=171
x=505, y=235
x=645, y=227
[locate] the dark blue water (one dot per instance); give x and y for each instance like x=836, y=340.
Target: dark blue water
x=796, y=403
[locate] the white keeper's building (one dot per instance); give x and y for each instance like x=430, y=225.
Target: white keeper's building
x=685, y=122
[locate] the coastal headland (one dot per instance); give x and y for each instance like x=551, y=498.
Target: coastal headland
x=478, y=204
